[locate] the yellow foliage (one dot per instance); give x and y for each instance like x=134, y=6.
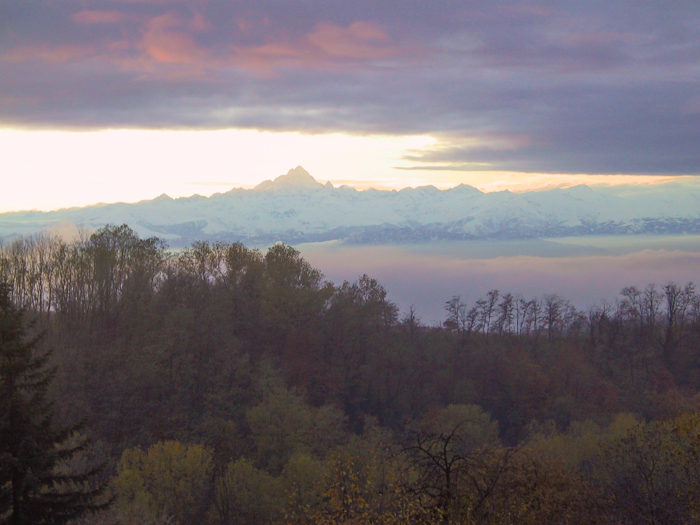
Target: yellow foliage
x=284, y=424
x=303, y=480
x=581, y=443
x=653, y=471
x=245, y=494
x=169, y=479
x=351, y=489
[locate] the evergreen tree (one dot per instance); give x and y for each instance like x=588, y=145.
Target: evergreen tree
x=35, y=485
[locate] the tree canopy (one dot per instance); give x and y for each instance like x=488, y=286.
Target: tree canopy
x=224, y=384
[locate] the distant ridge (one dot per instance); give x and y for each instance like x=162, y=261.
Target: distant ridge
x=295, y=208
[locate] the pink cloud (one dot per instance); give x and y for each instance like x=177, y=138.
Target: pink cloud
x=324, y=47
x=165, y=47
x=200, y=23
x=168, y=44
x=167, y=39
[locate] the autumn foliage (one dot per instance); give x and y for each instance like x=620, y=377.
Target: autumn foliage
x=228, y=385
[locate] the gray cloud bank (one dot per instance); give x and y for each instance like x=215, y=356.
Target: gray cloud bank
x=552, y=86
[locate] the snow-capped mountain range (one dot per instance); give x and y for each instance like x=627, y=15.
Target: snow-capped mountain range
x=295, y=208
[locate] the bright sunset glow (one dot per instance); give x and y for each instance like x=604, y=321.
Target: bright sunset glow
x=357, y=93
x=63, y=169
x=54, y=169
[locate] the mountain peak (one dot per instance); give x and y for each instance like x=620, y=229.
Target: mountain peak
x=295, y=179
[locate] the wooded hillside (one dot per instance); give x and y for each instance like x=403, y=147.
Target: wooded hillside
x=226, y=385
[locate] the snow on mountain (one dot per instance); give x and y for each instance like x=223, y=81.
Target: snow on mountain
x=297, y=180
x=296, y=208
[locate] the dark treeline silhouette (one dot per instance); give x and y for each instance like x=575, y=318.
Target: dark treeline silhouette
x=283, y=398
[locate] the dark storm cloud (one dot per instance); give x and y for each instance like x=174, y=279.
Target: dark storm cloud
x=585, y=87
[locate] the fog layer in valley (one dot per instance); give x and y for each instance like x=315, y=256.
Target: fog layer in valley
x=583, y=270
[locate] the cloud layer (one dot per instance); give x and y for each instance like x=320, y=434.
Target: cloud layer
x=548, y=87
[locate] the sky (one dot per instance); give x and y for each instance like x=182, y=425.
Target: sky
x=122, y=100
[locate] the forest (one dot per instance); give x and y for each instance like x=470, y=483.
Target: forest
x=225, y=385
